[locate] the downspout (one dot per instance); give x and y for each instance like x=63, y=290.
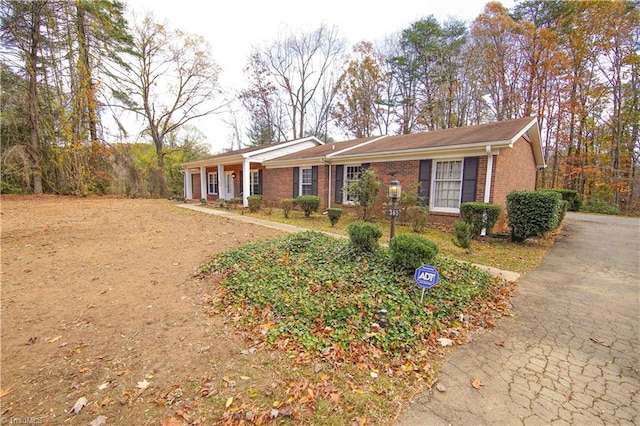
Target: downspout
x=487, y=181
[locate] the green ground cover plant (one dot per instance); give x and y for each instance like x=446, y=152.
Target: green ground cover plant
x=312, y=298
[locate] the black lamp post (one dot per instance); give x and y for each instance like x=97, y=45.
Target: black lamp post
x=395, y=190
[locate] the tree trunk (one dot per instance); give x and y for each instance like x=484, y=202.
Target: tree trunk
x=34, y=113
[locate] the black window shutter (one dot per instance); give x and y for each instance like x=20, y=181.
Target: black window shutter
x=424, y=177
x=469, y=179
x=339, y=179
x=260, y=181
x=296, y=181
x=314, y=180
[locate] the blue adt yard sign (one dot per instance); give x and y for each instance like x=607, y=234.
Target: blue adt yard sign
x=426, y=276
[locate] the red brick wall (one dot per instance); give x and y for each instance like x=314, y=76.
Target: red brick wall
x=277, y=185
x=513, y=169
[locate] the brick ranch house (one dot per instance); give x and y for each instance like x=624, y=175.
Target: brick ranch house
x=448, y=167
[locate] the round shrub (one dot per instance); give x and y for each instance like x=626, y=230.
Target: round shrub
x=462, y=232
x=255, y=203
x=364, y=236
x=308, y=204
x=410, y=251
x=287, y=206
x=334, y=215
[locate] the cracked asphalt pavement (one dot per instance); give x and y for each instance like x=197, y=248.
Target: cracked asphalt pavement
x=570, y=353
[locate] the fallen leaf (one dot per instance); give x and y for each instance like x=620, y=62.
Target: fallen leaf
x=31, y=340
x=99, y=421
x=445, y=342
x=171, y=421
x=477, y=383
x=5, y=392
x=229, y=402
x=244, y=377
x=103, y=386
x=499, y=342
x=79, y=405
x=143, y=384
x=55, y=339
x=374, y=374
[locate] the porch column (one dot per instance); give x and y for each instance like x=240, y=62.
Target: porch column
x=487, y=181
x=203, y=182
x=222, y=191
x=188, y=184
x=246, y=179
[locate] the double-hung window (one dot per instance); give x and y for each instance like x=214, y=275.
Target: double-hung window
x=212, y=183
x=254, y=182
x=306, y=181
x=351, y=174
x=447, y=185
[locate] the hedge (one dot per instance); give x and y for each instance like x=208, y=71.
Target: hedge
x=534, y=213
x=571, y=196
x=480, y=216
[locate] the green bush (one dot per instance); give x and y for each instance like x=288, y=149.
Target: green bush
x=364, y=236
x=287, y=206
x=334, y=215
x=255, y=203
x=203, y=201
x=410, y=251
x=571, y=196
x=308, y=204
x=417, y=217
x=462, y=233
x=534, y=213
x=480, y=216
x=600, y=205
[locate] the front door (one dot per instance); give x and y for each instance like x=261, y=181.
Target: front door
x=228, y=186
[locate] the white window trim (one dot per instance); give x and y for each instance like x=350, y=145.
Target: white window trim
x=345, y=182
x=300, y=181
x=251, y=173
x=215, y=183
x=433, y=186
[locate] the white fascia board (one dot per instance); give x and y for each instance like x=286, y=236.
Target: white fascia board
x=307, y=162
x=282, y=151
x=282, y=145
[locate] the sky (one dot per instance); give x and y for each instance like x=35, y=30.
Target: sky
x=240, y=25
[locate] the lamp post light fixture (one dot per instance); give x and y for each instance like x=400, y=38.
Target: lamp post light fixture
x=395, y=190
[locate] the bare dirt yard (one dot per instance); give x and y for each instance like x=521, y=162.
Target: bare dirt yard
x=99, y=302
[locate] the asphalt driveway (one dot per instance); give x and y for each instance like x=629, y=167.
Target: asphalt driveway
x=569, y=355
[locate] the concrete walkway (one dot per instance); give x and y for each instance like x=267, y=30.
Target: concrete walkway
x=569, y=355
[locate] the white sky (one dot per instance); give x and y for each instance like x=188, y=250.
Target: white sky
x=234, y=27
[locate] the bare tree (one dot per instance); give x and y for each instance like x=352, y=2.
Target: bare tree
x=172, y=81
x=301, y=66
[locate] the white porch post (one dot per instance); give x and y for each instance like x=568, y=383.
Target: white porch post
x=222, y=190
x=329, y=197
x=203, y=182
x=246, y=178
x=188, y=185
x=487, y=181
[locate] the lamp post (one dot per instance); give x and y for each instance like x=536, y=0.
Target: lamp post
x=394, y=193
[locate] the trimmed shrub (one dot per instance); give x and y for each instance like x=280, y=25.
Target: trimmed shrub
x=308, y=204
x=480, y=216
x=203, y=201
x=571, y=196
x=417, y=217
x=364, y=236
x=235, y=202
x=334, y=215
x=534, y=213
x=287, y=206
x=410, y=251
x=462, y=231
x=255, y=203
